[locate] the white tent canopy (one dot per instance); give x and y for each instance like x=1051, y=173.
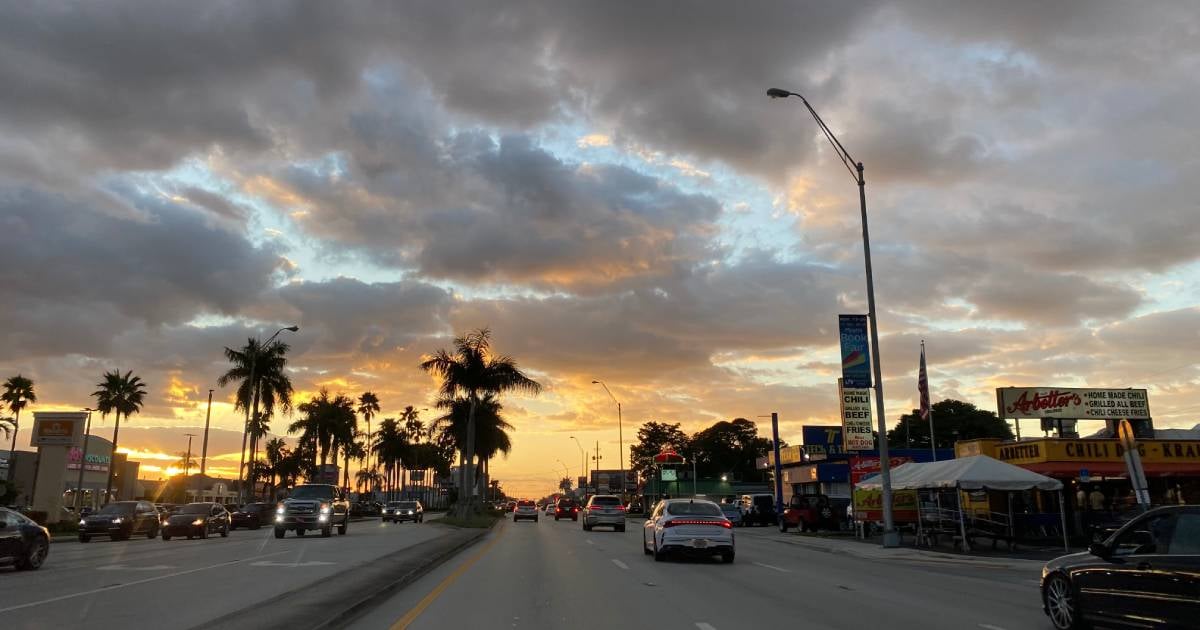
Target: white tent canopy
x=969, y=473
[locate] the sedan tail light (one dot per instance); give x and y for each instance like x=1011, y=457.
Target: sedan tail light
x=695, y=521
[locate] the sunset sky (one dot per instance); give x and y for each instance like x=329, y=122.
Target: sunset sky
x=178, y=176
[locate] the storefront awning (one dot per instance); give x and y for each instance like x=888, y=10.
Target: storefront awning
x=1072, y=470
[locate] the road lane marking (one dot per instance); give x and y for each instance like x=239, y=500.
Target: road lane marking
x=589, y=542
x=704, y=626
x=122, y=567
x=771, y=566
x=620, y=564
x=416, y=611
x=272, y=563
x=988, y=626
x=112, y=587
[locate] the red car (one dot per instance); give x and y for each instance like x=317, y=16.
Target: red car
x=809, y=512
x=566, y=508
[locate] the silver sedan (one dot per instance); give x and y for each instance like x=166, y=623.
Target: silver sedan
x=688, y=527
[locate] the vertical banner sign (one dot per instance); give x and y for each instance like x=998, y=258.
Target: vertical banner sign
x=1133, y=463
x=856, y=353
x=856, y=418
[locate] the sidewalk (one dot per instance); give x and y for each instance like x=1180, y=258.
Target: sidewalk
x=871, y=549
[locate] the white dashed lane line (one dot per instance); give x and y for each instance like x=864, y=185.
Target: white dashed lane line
x=772, y=567
x=620, y=564
x=988, y=626
x=704, y=626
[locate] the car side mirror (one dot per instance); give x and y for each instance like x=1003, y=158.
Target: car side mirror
x=1100, y=550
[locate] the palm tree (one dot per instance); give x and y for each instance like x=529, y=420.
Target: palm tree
x=271, y=387
x=390, y=448
x=185, y=461
x=368, y=406
x=472, y=372
x=355, y=448
x=121, y=396
x=367, y=478
x=490, y=427
x=18, y=392
x=324, y=423
x=276, y=452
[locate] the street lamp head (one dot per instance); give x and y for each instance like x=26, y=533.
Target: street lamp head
x=778, y=93
x=595, y=382
x=292, y=328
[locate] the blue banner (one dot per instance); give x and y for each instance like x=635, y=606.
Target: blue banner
x=856, y=352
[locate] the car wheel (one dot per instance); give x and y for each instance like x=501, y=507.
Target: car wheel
x=204, y=532
x=280, y=532
x=659, y=556
x=727, y=557
x=151, y=534
x=1061, y=603
x=327, y=531
x=166, y=536
x=84, y=538
x=645, y=548
x=225, y=532
x=344, y=526
x=34, y=556
x=556, y=519
x=783, y=526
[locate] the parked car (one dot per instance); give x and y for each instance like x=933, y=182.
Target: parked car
x=400, y=511
x=733, y=512
x=604, y=509
x=688, y=526
x=252, y=515
x=809, y=512
x=566, y=508
x=758, y=509
x=1145, y=575
x=198, y=520
x=23, y=543
x=525, y=510
x=120, y=520
x=313, y=506
x=510, y=506
x=635, y=507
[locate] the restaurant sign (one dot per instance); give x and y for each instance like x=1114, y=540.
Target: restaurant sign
x=856, y=418
x=1072, y=402
x=1040, y=451
x=93, y=462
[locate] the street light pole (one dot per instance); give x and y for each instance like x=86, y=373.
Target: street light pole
x=890, y=537
x=254, y=413
x=87, y=434
x=582, y=457
x=620, y=437
x=204, y=446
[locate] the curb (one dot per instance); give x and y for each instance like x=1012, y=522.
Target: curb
x=917, y=556
x=322, y=605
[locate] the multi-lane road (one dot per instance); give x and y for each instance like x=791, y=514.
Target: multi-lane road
x=140, y=583
x=554, y=575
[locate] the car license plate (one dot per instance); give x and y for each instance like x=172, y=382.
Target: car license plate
x=699, y=543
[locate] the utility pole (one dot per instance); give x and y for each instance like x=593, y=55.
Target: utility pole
x=204, y=447
x=187, y=458
x=87, y=434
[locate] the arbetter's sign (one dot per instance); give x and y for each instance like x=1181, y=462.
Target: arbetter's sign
x=1072, y=403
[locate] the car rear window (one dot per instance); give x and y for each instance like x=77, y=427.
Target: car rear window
x=696, y=508
x=566, y=503
x=525, y=504
x=764, y=500
x=606, y=501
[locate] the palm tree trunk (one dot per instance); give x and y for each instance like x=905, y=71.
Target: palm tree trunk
x=346, y=473
x=112, y=462
x=13, y=449
x=242, y=458
x=468, y=506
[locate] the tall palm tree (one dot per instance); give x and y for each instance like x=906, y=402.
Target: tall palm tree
x=120, y=396
x=355, y=448
x=324, y=423
x=368, y=406
x=389, y=447
x=271, y=387
x=186, y=461
x=472, y=372
x=367, y=478
x=276, y=452
x=18, y=392
x=490, y=428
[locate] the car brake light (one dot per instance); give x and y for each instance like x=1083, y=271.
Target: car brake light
x=692, y=521
x=619, y=507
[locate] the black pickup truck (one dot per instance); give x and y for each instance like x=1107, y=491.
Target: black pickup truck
x=313, y=506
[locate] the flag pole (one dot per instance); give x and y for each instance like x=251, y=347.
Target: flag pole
x=932, y=441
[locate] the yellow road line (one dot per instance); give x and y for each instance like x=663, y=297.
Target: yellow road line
x=416, y=611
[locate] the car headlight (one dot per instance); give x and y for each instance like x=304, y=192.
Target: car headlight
x=82, y=522
x=279, y=509
x=116, y=521
x=198, y=521
x=324, y=509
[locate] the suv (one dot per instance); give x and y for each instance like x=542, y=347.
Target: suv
x=566, y=508
x=758, y=509
x=809, y=512
x=313, y=506
x=527, y=510
x=604, y=509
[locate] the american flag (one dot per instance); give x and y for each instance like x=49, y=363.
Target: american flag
x=923, y=386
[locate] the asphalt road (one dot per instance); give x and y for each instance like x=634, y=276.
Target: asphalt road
x=141, y=583
x=554, y=575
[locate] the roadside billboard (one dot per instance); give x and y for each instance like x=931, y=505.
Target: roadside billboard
x=863, y=466
x=868, y=505
x=57, y=428
x=820, y=441
x=1072, y=403
x=856, y=418
x=856, y=352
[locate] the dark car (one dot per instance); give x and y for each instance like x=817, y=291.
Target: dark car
x=120, y=520
x=23, y=543
x=197, y=519
x=567, y=508
x=252, y=515
x=758, y=509
x=809, y=512
x=313, y=506
x=1145, y=575
x=400, y=511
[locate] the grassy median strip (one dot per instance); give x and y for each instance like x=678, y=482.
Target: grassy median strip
x=475, y=521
